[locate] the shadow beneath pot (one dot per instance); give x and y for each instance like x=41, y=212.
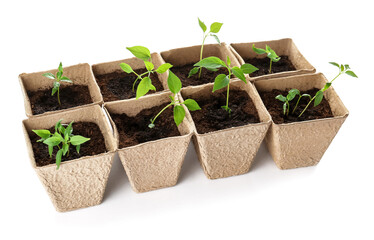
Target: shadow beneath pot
x=262, y=159
x=191, y=165
x=117, y=178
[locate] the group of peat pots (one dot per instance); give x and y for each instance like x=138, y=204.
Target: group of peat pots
x=226, y=142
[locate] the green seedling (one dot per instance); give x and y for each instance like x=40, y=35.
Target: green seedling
x=175, y=85
x=290, y=96
x=145, y=84
x=57, y=79
x=222, y=80
x=343, y=69
x=270, y=53
x=214, y=28
x=62, y=138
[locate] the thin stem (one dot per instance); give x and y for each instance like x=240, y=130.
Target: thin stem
x=271, y=61
x=138, y=77
x=153, y=120
x=288, y=108
x=297, y=103
x=201, y=53
x=311, y=100
x=58, y=96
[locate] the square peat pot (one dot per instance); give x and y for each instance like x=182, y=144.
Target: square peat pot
x=115, y=84
x=302, y=143
x=230, y=151
x=155, y=163
x=80, y=182
x=37, y=90
x=183, y=60
x=292, y=61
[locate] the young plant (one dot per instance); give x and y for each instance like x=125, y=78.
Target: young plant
x=175, y=86
x=343, y=69
x=290, y=96
x=214, y=28
x=270, y=53
x=57, y=79
x=222, y=80
x=62, y=138
x=145, y=84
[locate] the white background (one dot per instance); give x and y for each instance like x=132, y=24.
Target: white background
x=333, y=200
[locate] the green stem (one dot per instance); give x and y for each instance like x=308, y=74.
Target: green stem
x=153, y=120
x=311, y=100
x=58, y=96
x=271, y=61
x=138, y=77
x=288, y=108
x=201, y=53
x=297, y=103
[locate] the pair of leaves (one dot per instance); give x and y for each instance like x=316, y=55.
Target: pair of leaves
x=214, y=27
x=344, y=68
x=270, y=53
x=161, y=69
x=179, y=112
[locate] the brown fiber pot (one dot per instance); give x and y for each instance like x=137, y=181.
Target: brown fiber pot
x=231, y=151
x=80, y=182
x=290, y=143
x=155, y=164
x=80, y=74
x=282, y=47
x=135, y=63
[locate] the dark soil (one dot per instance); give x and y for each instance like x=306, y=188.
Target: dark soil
x=135, y=130
x=206, y=75
x=275, y=107
x=86, y=129
x=212, y=117
x=70, y=96
x=118, y=85
x=283, y=65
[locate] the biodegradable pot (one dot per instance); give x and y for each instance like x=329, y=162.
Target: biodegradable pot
x=80, y=74
x=155, y=164
x=80, y=182
x=230, y=151
x=190, y=55
x=282, y=47
x=135, y=63
x=302, y=144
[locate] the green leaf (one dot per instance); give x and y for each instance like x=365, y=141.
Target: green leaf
x=65, y=148
x=61, y=130
x=54, y=90
x=346, y=66
x=258, y=50
x=239, y=73
x=226, y=108
x=212, y=69
x=319, y=97
x=44, y=134
x=126, y=68
x=292, y=94
x=216, y=37
x=174, y=83
x=164, y=67
x=335, y=64
x=149, y=66
x=248, y=68
x=58, y=75
x=50, y=150
x=179, y=114
x=351, y=73
x=52, y=141
x=66, y=79
x=49, y=75
x=78, y=148
x=281, y=98
x=284, y=108
x=191, y=104
x=193, y=71
x=56, y=85
x=60, y=68
x=144, y=86
x=69, y=129
x=202, y=25
x=327, y=85
x=221, y=81
x=211, y=62
x=58, y=124
x=78, y=140
x=215, y=27
x=272, y=55
x=140, y=52
x=341, y=67
x=58, y=158
x=228, y=61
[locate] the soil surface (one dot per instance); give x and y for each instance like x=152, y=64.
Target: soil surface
x=212, y=117
x=206, y=75
x=86, y=129
x=135, y=130
x=70, y=96
x=263, y=64
x=118, y=85
x=275, y=107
